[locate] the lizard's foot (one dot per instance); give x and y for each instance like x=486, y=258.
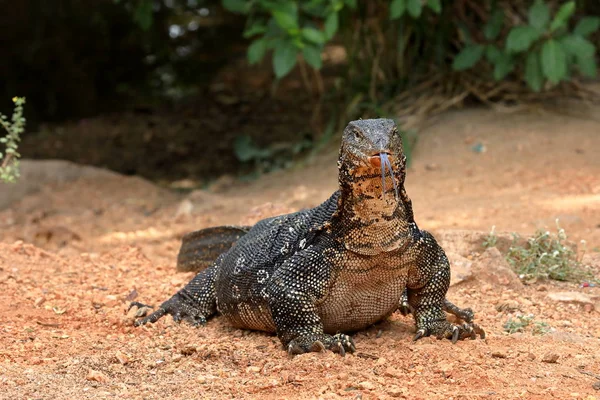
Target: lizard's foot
x=447, y=330
x=338, y=343
x=181, y=306
x=466, y=314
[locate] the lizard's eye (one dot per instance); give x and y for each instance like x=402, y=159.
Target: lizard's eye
x=357, y=135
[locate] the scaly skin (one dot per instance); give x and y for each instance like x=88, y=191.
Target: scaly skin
x=339, y=267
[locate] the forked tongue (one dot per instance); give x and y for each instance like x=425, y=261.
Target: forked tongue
x=386, y=164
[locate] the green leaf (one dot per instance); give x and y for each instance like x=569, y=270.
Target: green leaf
x=331, y=25
x=286, y=15
x=533, y=71
x=587, y=25
x=414, y=7
x=313, y=35
x=143, y=14
x=312, y=55
x=254, y=29
x=588, y=66
x=584, y=53
x=578, y=46
x=562, y=16
x=492, y=28
x=237, y=6
x=539, y=15
x=397, y=8
x=435, y=5
x=257, y=50
x=520, y=38
x=284, y=58
x=503, y=66
x=554, y=61
x=467, y=57
x=493, y=53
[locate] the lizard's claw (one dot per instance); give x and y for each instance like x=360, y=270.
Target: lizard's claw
x=338, y=343
x=420, y=333
x=447, y=330
x=404, y=308
x=181, y=306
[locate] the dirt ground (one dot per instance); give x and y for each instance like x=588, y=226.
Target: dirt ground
x=75, y=253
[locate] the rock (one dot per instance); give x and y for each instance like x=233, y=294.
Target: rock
x=550, y=358
x=498, y=354
x=54, y=236
x=531, y=356
x=465, y=242
x=121, y=357
x=188, y=350
x=96, y=376
x=395, y=391
x=366, y=385
x=445, y=368
x=460, y=267
x=37, y=173
x=393, y=372
x=39, y=301
x=491, y=267
x=253, y=369
x=571, y=297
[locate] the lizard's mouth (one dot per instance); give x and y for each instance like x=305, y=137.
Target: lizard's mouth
x=376, y=159
x=382, y=160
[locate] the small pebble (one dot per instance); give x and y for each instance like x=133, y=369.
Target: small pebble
x=122, y=358
x=550, y=358
x=96, y=376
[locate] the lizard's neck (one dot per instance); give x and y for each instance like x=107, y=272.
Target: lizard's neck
x=372, y=221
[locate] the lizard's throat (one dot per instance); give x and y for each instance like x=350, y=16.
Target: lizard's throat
x=377, y=221
x=370, y=196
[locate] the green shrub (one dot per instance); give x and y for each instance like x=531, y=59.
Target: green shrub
x=9, y=167
x=547, y=255
x=548, y=47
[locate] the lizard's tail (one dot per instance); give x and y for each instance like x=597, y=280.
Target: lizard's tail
x=199, y=249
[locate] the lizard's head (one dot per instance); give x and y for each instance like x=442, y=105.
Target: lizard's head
x=370, y=148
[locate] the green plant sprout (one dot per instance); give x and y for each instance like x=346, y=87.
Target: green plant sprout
x=9, y=167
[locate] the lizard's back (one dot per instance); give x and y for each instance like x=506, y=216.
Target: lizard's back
x=246, y=269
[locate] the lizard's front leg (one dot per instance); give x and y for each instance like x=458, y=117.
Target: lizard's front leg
x=466, y=314
x=293, y=292
x=193, y=303
x=427, y=286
